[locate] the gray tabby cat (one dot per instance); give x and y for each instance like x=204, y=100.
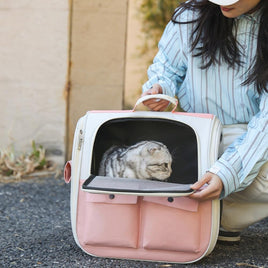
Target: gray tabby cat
x=143, y=160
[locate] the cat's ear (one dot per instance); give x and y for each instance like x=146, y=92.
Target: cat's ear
x=152, y=149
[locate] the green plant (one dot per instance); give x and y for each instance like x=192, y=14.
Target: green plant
x=10, y=165
x=154, y=15
x=38, y=156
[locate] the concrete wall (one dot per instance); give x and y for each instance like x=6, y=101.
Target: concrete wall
x=59, y=59
x=97, y=74
x=33, y=64
x=136, y=66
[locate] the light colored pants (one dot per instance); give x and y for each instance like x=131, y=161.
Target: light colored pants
x=244, y=208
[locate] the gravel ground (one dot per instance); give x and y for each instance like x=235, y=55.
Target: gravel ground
x=36, y=232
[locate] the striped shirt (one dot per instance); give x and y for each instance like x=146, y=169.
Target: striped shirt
x=218, y=90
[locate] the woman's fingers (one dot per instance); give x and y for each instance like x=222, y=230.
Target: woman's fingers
x=155, y=104
x=209, y=187
x=155, y=89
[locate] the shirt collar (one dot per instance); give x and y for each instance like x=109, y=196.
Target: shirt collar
x=254, y=17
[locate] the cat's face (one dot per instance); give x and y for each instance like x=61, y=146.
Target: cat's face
x=156, y=160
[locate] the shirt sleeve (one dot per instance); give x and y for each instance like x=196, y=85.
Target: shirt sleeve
x=170, y=63
x=240, y=163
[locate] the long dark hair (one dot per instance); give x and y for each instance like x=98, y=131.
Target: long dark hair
x=213, y=39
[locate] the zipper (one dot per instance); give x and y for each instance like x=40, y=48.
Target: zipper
x=214, y=147
x=80, y=139
x=76, y=165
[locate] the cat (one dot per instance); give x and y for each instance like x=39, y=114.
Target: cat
x=143, y=160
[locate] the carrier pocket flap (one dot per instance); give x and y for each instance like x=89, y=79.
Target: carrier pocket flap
x=112, y=199
x=107, y=185
x=184, y=203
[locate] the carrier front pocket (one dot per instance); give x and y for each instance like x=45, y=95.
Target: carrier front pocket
x=170, y=224
x=108, y=220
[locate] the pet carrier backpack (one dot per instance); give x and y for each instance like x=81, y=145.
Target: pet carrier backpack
x=144, y=219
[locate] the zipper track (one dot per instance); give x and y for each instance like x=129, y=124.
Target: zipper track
x=76, y=169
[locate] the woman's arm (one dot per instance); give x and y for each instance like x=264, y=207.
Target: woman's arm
x=168, y=70
x=241, y=162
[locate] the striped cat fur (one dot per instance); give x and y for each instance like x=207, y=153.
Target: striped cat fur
x=143, y=160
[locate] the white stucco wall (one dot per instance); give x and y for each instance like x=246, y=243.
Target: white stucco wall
x=33, y=74
x=136, y=66
x=34, y=60
x=98, y=51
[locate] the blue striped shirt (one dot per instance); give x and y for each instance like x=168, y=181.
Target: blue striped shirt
x=217, y=90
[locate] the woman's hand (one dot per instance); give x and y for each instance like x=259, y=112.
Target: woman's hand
x=208, y=188
x=155, y=104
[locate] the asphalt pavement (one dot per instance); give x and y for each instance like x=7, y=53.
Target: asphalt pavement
x=36, y=231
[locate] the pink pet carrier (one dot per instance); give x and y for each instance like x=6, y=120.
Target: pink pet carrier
x=144, y=219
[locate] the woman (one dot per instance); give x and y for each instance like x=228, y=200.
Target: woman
x=213, y=56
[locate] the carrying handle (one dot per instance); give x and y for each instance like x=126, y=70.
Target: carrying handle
x=159, y=97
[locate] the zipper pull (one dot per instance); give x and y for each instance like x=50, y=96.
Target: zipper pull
x=81, y=138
